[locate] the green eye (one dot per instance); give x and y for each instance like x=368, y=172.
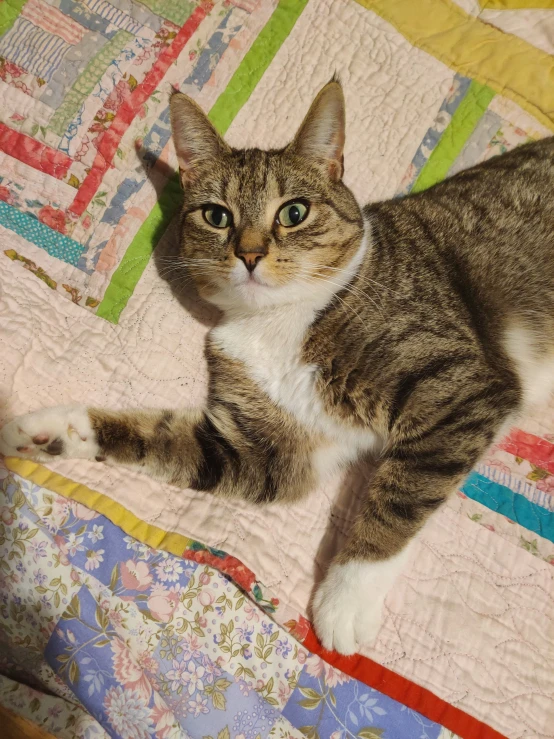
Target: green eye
x=217, y=216
x=291, y=214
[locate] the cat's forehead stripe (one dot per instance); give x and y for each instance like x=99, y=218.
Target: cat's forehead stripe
x=252, y=183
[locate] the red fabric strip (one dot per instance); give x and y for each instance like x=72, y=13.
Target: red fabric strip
x=32, y=152
x=530, y=447
x=405, y=691
x=130, y=108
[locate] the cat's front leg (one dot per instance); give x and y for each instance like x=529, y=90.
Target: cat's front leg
x=433, y=445
x=348, y=605
x=227, y=449
x=347, y=608
x=160, y=443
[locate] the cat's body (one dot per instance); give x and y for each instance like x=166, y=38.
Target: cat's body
x=416, y=330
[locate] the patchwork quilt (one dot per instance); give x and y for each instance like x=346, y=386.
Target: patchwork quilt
x=194, y=619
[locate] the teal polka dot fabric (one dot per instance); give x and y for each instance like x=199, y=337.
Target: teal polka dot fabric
x=31, y=229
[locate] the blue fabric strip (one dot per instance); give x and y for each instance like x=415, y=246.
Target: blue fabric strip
x=55, y=243
x=509, y=504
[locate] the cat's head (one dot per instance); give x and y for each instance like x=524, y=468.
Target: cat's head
x=261, y=228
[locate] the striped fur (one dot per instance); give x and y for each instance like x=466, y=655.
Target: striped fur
x=416, y=328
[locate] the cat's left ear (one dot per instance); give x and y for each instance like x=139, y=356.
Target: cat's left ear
x=196, y=140
x=321, y=135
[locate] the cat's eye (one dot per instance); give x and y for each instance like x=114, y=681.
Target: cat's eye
x=293, y=213
x=217, y=216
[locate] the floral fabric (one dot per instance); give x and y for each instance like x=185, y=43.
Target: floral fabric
x=118, y=639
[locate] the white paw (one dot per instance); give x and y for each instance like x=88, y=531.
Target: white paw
x=347, y=608
x=63, y=431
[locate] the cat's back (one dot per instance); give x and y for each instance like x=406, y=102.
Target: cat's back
x=502, y=198
x=488, y=229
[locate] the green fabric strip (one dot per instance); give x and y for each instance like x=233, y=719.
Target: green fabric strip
x=254, y=64
x=139, y=251
x=176, y=11
x=464, y=120
x=226, y=107
x=9, y=10
x=87, y=81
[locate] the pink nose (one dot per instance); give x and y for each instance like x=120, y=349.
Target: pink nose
x=250, y=259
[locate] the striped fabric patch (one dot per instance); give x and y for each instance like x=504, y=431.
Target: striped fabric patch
x=112, y=14
x=33, y=49
x=51, y=20
x=31, y=229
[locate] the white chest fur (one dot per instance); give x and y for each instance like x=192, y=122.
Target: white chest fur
x=269, y=344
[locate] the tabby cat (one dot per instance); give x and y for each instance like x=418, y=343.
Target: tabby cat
x=416, y=329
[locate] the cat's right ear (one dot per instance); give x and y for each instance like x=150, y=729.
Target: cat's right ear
x=196, y=140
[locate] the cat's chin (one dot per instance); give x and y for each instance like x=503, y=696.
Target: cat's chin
x=249, y=295
x=254, y=295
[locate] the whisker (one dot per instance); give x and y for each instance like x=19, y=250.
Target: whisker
x=347, y=284
x=357, y=292
x=202, y=269
x=315, y=281
x=363, y=278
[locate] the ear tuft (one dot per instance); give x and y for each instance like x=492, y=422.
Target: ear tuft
x=195, y=138
x=322, y=133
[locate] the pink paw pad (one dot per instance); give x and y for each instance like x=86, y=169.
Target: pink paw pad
x=40, y=439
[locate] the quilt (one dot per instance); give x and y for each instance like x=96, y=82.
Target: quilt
x=157, y=645
x=88, y=198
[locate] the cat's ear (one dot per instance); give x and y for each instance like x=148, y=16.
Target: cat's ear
x=195, y=138
x=321, y=135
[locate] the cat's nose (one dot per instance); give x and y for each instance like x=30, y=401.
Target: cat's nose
x=251, y=248
x=251, y=259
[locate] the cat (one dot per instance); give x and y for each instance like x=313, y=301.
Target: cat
x=415, y=329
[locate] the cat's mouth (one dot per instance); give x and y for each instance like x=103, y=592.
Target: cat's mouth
x=255, y=278
x=251, y=280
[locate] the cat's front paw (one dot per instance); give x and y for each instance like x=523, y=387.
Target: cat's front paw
x=348, y=605
x=63, y=431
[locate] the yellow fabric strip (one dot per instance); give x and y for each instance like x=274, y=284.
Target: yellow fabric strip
x=511, y=66
x=516, y=4
x=119, y=515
